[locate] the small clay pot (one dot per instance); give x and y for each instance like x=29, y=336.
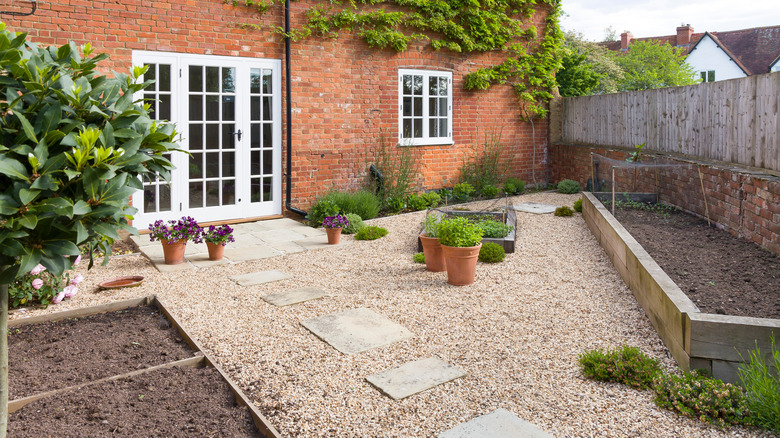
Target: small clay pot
x=334, y=235
x=174, y=252
x=216, y=251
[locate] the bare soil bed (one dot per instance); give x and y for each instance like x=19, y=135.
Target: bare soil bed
x=720, y=273
x=174, y=402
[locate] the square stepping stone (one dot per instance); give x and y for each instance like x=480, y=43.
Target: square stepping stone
x=250, y=253
x=254, y=278
x=497, y=424
x=535, y=207
x=413, y=377
x=357, y=330
x=294, y=296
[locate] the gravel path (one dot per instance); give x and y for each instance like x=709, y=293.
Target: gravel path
x=517, y=331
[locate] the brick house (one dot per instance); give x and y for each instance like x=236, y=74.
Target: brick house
x=224, y=85
x=720, y=55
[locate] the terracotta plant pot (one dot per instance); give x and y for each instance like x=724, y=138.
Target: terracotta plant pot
x=434, y=257
x=174, y=252
x=461, y=264
x=334, y=235
x=216, y=251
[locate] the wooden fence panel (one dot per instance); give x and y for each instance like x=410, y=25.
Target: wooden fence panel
x=735, y=121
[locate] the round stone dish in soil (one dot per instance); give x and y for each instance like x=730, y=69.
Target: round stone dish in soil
x=116, y=283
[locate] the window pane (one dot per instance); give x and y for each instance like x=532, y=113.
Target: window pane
x=407, y=128
x=443, y=107
x=196, y=78
x=228, y=136
x=268, y=162
x=417, y=110
x=165, y=107
x=432, y=107
x=407, y=107
x=196, y=137
x=711, y=75
x=164, y=84
x=212, y=136
x=228, y=108
x=443, y=128
x=212, y=79
x=165, y=197
x=254, y=167
x=433, y=125
x=228, y=164
x=704, y=76
x=267, y=81
x=254, y=140
x=442, y=86
x=228, y=80
x=212, y=107
x=418, y=85
x=417, y=128
x=254, y=80
x=151, y=100
x=254, y=105
x=267, y=189
x=433, y=82
x=196, y=166
x=196, y=107
x=255, y=190
x=228, y=192
x=268, y=137
x=196, y=194
x=150, y=196
x=267, y=107
x=212, y=193
x=150, y=75
x=212, y=165
x=407, y=80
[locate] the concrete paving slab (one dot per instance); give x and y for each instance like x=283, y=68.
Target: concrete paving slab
x=294, y=296
x=159, y=263
x=244, y=240
x=309, y=231
x=287, y=247
x=357, y=330
x=251, y=227
x=280, y=235
x=316, y=242
x=497, y=424
x=534, y=207
x=254, y=278
x=278, y=224
x=202, y=261
x=250, y=253
x=413, y=377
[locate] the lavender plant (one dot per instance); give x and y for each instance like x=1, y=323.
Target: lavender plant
x=184, y=229
x=220, y=235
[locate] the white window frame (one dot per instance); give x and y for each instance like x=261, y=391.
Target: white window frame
x=705, y=75
x=426, y=139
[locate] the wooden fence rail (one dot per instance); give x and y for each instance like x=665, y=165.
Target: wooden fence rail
x=736, y=121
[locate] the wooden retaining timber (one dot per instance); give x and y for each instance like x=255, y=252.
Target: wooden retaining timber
x=199, y=360
x=696, y=340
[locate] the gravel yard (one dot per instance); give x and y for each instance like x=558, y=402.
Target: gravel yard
x=517, y=331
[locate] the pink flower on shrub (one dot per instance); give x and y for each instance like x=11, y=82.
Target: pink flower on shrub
x=58, y=298
x=38, y=269
x=69, y=291
x=78, y=279
x=37, y=283
x=78, y=260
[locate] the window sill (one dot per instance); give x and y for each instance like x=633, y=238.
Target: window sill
x=430, y=142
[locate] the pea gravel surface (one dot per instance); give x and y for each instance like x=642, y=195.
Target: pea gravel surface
x=517, y=332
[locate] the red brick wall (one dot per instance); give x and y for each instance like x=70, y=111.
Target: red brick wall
x=745, y=203
x=344, y=93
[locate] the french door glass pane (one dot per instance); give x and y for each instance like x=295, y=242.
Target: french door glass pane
x=156, y=191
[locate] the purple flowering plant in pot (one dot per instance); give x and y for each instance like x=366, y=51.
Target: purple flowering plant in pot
x=216, y=238
x=174, y=237
x=333, y=226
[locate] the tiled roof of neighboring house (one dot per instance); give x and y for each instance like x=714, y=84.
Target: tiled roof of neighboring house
x=755, y=50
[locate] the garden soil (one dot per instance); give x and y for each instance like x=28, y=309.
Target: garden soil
x=174, y=402
x=55, y=355
x=720, y=273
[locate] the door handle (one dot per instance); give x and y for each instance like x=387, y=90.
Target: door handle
x=237, y=134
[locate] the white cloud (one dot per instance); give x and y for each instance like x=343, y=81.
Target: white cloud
x=661, y=17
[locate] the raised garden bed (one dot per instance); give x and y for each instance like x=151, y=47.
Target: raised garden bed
x=510, y=218
x=125, y=368
x=697, y=340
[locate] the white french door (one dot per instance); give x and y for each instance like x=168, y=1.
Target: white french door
x=228, y=113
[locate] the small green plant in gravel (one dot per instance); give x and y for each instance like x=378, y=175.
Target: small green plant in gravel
x=568, y=186
x=462, y=192
x=564, y=211
x=459, y=232
x=432, y=199
x=355, y=224
x=514, y=186
x=491, y=253
x=626, y=365
x=578, y=206
x=394, y=204
x=415, y=202
x=762, y=387
x=696, y=395
x=419, y=257
x=371, y=232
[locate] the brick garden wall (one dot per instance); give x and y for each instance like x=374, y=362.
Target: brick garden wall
x=345, y=95
x=744, y=202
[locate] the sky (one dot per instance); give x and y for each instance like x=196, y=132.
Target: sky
x=661, y=17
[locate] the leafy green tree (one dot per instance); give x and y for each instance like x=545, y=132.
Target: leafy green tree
x=648, y=65
x=576, y=77
x=74, y=145
x=584, y=61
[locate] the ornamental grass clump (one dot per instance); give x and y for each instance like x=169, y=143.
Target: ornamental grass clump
x=220, y=235
x=568, y=186
x=762, y=387
x=371, y=232
x=627, y=365
x=459, y=232
x=184, y=229
x=696, y=395
x=337, y=221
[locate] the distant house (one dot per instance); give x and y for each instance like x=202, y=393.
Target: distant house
x=719, y=56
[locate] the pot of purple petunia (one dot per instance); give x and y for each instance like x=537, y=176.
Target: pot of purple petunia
x=333, y=226
x=216, y=238
x=174, y=237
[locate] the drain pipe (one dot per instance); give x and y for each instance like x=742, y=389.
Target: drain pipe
x=288, y=82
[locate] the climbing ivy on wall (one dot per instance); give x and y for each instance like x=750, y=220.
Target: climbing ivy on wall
x=456, y=25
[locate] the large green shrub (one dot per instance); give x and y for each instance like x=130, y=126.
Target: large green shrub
x=762, y=387
x=491, y=253
x=74, y=144
x=458, y=231
x=514, y=186
x=432, y=199
x=568, y=186
x=489, y=191
x=416, y=202
x=362, y=203
x=462, y=192
x=322, y=208
x=626, y=365
x=696, y=395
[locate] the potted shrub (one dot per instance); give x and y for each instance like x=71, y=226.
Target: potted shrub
x=434, y=258
x=333, y=226
x=460, y=241
x=216, y=238
x=174, y=237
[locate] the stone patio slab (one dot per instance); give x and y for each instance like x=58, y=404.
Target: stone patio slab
x=497, y=424
x=202, y=261
x=413, y=377
x=294, y=296
x=357, y=330
x=287, y=247
x=534, y=207
x=255, y=278
x=159, y=263
x=280, y=235
x=250, y=253
x=315, y=242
